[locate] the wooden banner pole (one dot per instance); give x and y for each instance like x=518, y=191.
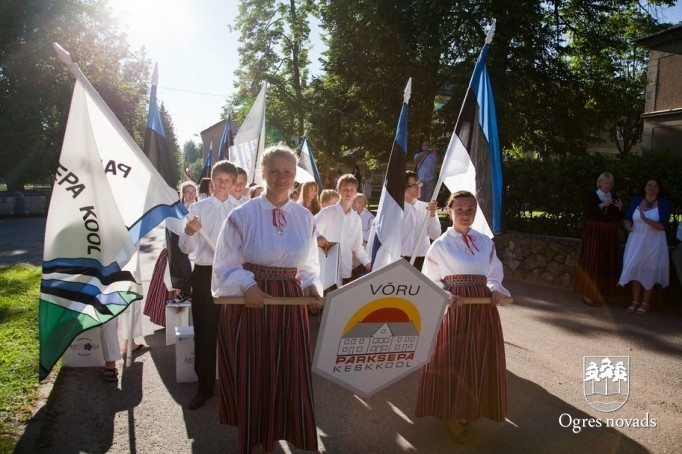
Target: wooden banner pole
x=305, y=300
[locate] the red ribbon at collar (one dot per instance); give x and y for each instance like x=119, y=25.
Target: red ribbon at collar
x=279, y=220
x=470, y=242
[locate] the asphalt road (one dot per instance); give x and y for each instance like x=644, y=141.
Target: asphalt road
x=547, y=333
x=21, y=240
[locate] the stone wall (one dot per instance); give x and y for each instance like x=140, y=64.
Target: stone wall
x=544, y=259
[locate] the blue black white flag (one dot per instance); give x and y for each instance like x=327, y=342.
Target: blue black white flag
x=208, y=164
x=386, y=244
x=473, y=158
x=155, y=142
x=225, y=140
x=249, y=143
x=307, y=162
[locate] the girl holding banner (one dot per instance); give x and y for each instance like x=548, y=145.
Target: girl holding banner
x=267, y=248
x=466, y=377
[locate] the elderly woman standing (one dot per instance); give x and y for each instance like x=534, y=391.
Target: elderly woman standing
x=466, y=378
x=598, y=263
x=645, y=261
x=267, y=247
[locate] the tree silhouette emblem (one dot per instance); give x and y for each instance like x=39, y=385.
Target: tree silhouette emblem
x=607, y=377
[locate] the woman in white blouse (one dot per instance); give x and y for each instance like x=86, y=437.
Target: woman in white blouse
x=466, y=377
x=267, y=247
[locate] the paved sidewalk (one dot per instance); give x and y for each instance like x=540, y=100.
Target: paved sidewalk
x=547, y=332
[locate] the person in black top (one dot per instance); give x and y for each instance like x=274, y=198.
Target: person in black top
x=598, y=263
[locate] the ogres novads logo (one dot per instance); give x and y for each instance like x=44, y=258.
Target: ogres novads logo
x=606, y=381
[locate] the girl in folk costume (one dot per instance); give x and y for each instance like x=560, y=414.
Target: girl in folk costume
x=267, y=248
x=466, y=377
x=158, y=294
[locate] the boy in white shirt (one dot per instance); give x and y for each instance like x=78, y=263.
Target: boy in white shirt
x=360, y=207
x=207, y=215
x=237, y=196
x=328, y=197
x=341, y=224
x=415, y=213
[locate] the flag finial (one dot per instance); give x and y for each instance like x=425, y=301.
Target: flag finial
x=155, y=74
x=491, y=33
x=408, y=91
x=65, y=57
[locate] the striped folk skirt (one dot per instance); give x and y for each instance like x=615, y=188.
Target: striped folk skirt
x=599, y=264
x=158, y=294
x=466, y=377
x=264, y=361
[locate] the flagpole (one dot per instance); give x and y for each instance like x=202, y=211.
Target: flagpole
x=74, y=69
x=441, y=177
x=260, y=145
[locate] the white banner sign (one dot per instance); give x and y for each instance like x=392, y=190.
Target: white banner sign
x=329, y=266
x=379, y=328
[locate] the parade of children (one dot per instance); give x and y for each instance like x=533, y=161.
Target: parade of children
x=269, y=263
x=252, y=246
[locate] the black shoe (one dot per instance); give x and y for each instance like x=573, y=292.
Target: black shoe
x=197, y=402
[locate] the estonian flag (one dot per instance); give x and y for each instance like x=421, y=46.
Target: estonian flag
x=155, y=143
x=208, y=164
x=225, y=140
x=472, y=161
x=106, y=196
x=249, y=142
x=386, y=241
x=307, y=162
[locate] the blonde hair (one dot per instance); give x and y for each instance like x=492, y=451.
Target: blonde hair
x=327, y=195
x=360, y=196
x=185, y=185
x=253, y=189
x=604, y=176
x=279, y=150
x=346, y=179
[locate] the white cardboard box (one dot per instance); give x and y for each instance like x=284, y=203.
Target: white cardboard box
x=184, y=354
x=85, y=350
x=177, y=314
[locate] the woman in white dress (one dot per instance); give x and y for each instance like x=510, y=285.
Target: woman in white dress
x=645, y=261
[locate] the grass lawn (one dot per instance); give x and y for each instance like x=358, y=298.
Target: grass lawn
x=19, y=292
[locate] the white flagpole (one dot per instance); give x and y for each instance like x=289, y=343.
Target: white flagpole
x=441, y=177
x=65, y=57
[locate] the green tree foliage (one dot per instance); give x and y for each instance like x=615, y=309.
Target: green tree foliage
x=35, y=87
x=603, y=56
x=544, y=196
x=172, y=140
x=192, y=155
x=191, y=151
x=274, y=47
x=374, y=48
x=561, y=71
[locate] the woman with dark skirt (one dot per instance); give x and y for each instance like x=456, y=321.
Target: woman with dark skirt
x=599, y=259
x=465, y=379
x=267, y=248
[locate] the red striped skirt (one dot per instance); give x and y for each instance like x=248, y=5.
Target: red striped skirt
x=598, y=262
x=158, y=294
x=466, y=377
x=264, y=361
